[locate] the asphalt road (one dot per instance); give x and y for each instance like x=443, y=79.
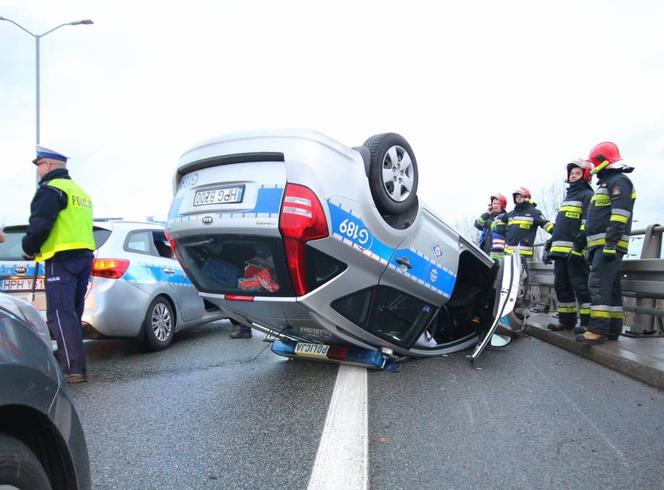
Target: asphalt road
x=212, y=412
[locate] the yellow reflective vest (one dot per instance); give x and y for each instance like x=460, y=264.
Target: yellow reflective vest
x=73, y=226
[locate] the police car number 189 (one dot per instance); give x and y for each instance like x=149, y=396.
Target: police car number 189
x=225, y=195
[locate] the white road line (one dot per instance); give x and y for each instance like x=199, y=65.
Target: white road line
x=343, y=454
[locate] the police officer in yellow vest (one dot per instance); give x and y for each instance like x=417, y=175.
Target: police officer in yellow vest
x=60, y=235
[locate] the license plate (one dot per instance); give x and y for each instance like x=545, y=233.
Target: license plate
x=224, y=195
x=22, y=284
x=316, y=351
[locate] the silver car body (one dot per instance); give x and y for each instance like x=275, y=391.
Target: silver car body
x=260, y=165
x=117, y=307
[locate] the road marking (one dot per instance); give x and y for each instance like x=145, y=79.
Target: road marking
x=343, y=453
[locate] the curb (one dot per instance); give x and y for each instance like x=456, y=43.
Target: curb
x=644, y=368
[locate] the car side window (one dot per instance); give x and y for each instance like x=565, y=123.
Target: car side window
x=161, y=244
x=140, y=241
x=387, y=313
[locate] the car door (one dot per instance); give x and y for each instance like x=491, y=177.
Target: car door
x=426, y=262
x=187, y=299
x=507, y=284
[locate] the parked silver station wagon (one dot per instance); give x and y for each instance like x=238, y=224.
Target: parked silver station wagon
x=326, y=246
x=137, y=288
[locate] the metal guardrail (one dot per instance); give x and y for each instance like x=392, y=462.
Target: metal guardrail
x=642, y=283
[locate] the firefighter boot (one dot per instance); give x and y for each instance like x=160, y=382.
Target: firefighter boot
x=559, y=327
x=591, y=338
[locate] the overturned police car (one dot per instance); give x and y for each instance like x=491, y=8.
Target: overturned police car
x=328, y=249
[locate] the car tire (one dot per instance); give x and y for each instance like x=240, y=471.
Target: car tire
x=159, y=324
x=393, y=187
x=19, y=467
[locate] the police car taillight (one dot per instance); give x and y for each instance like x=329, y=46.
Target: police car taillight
x=301, y=219
x=109, y=268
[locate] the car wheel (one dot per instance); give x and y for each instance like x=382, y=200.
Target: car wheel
x=159, y=324
x=19, y=467
x=393, y=175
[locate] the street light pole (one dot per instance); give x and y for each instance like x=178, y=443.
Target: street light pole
x=37, y=77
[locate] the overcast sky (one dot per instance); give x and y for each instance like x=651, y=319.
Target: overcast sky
x=491, y=95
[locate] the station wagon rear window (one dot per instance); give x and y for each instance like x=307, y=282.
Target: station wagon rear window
x=236, y=264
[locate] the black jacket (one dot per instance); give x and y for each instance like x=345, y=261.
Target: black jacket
x=492, y=239
x=44, y=208
x=610, y=212
x=522, y=223
x=568, y=235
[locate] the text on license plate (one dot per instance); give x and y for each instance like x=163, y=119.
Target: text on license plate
x=316, y=351
x=22, y=284
x=225, y=195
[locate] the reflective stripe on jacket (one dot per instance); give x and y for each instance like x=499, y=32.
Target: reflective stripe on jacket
x=522, y=223
x=571, y=219
x=73, y=226
x=609, y=220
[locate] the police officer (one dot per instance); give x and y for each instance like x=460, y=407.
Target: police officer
x=608, y=226
x=568, y=244
x=522, y=224
x=60, y=235
x=492, y=225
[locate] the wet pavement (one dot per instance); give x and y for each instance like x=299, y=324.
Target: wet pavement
x=211, y=412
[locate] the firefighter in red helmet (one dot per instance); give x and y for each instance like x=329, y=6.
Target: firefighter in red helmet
x=522, y=223
x=492, y=225
x=608, y=227
x=567, y=248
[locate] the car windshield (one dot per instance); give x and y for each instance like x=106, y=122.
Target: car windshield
x=12, y=249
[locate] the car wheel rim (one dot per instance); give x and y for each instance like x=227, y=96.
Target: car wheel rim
x=397, y=173
x=162, y=323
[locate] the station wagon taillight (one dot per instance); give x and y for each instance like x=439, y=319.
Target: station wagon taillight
x=301, y=219
x=109, y=268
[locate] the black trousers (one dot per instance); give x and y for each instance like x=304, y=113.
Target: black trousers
x=606, y=311
x=66, y=284
x=571, y=285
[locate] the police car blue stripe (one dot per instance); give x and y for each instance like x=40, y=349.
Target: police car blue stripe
x=268, y=200
x=352, y=231
x=151, y=274
x=9, y=270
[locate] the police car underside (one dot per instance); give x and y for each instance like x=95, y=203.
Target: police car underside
x=280, y=230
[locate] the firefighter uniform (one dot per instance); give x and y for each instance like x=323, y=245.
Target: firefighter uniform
x=492, y=237
x=567, y=250
x=521, y=228
x=60, y=235
x=608, y=227
x=522, y=223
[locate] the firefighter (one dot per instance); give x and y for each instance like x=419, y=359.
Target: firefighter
x=492, y=225
x=608, y=227
x=567, y=246
x=522, y=223
x=60, y=235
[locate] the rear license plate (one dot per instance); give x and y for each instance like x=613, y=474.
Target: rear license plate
x=316, y=351
x=22, y=284
x=224, y=195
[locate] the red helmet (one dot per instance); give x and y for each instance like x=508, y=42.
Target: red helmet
x=501, y=199
x=603, y=152
x=583, y=165
x=523, y=191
